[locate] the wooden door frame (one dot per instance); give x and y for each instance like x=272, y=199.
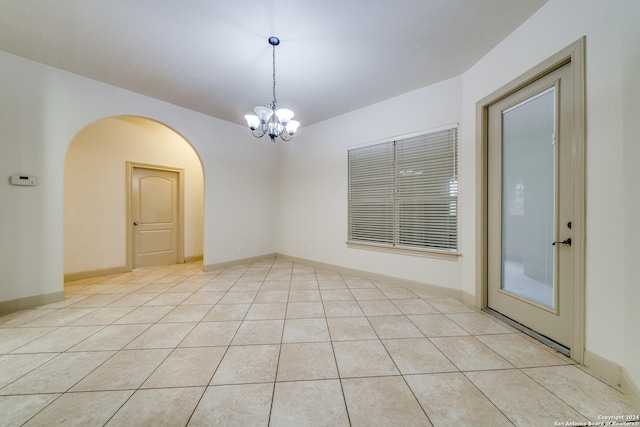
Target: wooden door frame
x=575, y=55
x=180, y=220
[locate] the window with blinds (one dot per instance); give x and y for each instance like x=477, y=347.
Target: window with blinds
x=404, y=193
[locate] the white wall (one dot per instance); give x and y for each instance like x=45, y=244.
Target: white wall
x=313, y=183
x=95, y=189
x=41, y=111
x=608, y=27
x=630, y=72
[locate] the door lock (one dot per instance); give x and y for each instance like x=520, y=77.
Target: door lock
x=564, y=242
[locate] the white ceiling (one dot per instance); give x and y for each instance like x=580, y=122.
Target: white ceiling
x=212, y=56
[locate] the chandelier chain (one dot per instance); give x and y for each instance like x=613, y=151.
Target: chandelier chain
x=275, y=101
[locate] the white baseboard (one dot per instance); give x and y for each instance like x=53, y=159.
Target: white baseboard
x=70, y=277
x=220, y=265
x=469, y=299
x=455, y=293
x=630, y=387
x=612, y=374
x=604, y=369
x=25, y=303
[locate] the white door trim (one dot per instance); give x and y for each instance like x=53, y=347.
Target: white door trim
x=573, y=54
x=180, y=221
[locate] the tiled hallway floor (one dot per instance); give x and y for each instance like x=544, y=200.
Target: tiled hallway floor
x=281, y=344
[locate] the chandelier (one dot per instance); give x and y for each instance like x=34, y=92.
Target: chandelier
x=271, y=120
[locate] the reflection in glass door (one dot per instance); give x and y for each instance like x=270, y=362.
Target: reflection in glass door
x=528, y=195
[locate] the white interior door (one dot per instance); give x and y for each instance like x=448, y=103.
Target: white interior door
x=155, y=213
x=530, y=206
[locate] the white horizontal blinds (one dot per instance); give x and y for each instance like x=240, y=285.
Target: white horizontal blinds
x=404, y=193
x=427, y=191
x=371, y=184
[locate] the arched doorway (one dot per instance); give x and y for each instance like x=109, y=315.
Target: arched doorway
x=96, y=189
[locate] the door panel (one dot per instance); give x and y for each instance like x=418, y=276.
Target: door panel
x=530, y=203
x=156, y=199
x=154, y=195
x=155, y=241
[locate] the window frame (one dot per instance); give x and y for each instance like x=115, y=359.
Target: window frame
x=394, y=246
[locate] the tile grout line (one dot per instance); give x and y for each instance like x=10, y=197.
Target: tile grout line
x=335, y=360
x=275, y=377
x=487, y=397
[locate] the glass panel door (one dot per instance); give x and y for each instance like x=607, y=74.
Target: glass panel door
x=530, y=206
x=528, y=199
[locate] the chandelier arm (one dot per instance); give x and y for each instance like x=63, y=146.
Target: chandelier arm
x=285, y=136
x=259, y=132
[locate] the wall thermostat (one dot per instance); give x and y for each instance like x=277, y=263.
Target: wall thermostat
x=24, y=180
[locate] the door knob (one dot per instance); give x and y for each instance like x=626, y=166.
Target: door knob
x=564, y=242
x=135, y=222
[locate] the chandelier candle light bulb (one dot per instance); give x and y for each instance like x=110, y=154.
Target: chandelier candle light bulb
x=271, y=120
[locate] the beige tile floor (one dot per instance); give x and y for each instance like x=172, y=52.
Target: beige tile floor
x=281, y=344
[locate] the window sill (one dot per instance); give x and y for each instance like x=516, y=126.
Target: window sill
x=429, y=253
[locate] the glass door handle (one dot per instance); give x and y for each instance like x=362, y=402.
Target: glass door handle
x=564, y=242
